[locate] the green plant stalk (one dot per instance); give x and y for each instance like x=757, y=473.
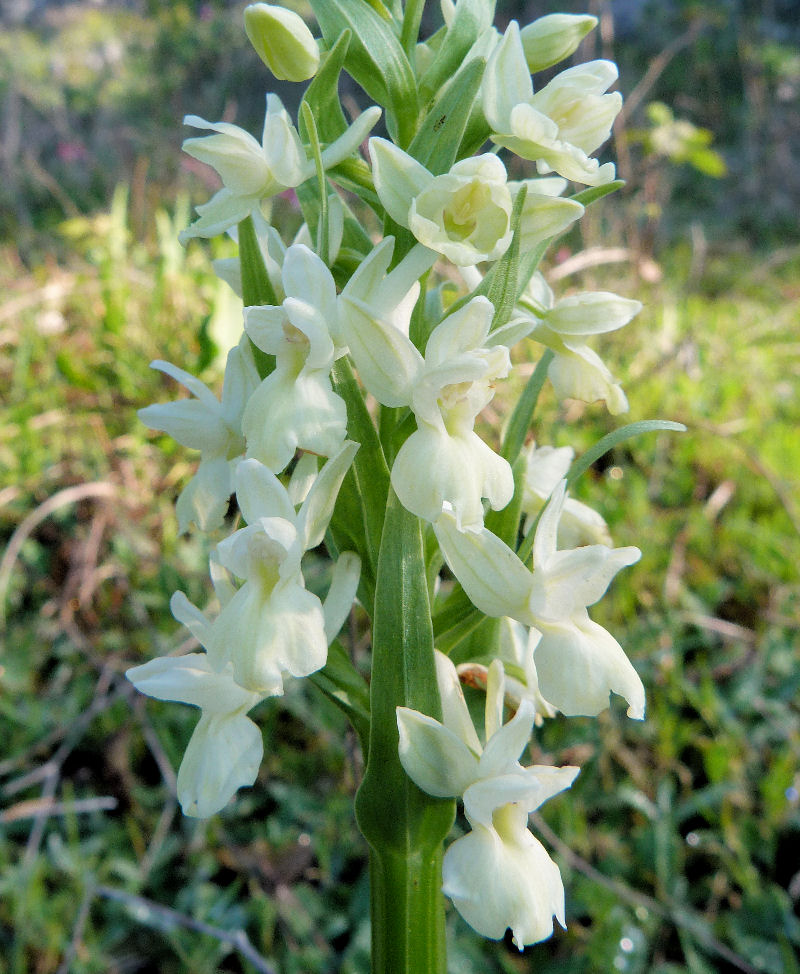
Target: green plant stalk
x=407, y=909
x=405, y=827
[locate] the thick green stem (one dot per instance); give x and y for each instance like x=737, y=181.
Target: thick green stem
x=408, y=933
x=404, y=826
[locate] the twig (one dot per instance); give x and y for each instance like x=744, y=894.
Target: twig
x=722, y=627
x=70, y=495
x=77, y=931
x=104, y=697
x=154, y=744
x=47, y=807
x=656, y=69
x=591, y=257
x=154, y=915
x=159, y=835
x=40, y=817
x=678, y=914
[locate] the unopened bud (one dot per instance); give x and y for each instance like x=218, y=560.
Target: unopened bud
x=282, y=41
x=553, y=38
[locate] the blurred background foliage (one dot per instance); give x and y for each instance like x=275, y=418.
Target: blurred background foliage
x=680, y=841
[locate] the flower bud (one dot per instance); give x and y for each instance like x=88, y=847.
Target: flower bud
x=553, y=38
x=282, y=41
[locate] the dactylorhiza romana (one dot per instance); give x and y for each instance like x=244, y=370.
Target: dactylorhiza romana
x=346, y=424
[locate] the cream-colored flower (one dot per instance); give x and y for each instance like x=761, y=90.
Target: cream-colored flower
x=225, y=749
x=212, y=426
x=272, y=626
x=550, y=39
x=577, y=372
x=545, y=468
x=498, y=875
x=560, y=126
x=464, y=214
x=251, y=171
x=443, y=461
x=578, y=663
x=295, y=406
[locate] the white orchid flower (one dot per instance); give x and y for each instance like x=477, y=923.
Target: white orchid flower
x=464, y=214
x=295, y=406
x=272, y=627
x=225, y=749
x=577, y=372
x=212, y=426
x=444, y=460
x=561, y=125
x=498, y=875
x=578, y=663
x=251, y=171
x=545, y=468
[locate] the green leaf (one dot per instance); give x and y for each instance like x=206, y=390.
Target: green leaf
x=310, y=126
x=409, y=32
x=438, y=140
x=471, y=18
x=392, y=812
x=453, y=637
x=522, y=417
x=322, y=95
x=367, y=481
x=375, y=59
x=594, y=193
x=257, y=288
x=355, y=175
x=502, y=291
x=582, y=464
x=455, y=609
x=343, y=684
x=528, y=264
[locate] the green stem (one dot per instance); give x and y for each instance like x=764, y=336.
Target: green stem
x=408, y=933
x=404, y=826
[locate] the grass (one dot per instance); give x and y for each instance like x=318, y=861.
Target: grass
x=680, y=841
